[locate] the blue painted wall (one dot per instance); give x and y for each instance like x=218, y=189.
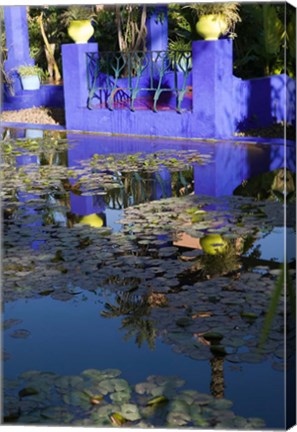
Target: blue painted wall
x=51, y=96
x=263, y=101
x=220, y=103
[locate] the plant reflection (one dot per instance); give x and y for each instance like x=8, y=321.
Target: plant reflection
x=136, y=322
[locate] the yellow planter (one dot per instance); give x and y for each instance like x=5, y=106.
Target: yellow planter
x=93, y=220
x=213, y=244
x=80, y=31
x=210, y=27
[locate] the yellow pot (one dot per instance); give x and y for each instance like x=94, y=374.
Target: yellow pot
x=80, y=31
x=213, y=244
x=93, y=220
x=210, y=27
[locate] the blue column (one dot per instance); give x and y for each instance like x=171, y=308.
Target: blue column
x=157, y=29
x=17, y=37
x=74, y=58
x=213, y=86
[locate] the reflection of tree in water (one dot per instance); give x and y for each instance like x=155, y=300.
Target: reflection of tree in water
x=271, y=185
x=136, y=322
x=217, y=384
x=139, y=187
x=221, y=263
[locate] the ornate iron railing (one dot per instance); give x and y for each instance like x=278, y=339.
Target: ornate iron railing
x=120, y=79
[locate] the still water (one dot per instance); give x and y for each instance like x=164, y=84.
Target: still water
x=96, y=277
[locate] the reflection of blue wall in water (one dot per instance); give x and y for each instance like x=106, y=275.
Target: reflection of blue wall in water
x=233, y=163
x=85, y=205
x=24, y=197
x=162, y=184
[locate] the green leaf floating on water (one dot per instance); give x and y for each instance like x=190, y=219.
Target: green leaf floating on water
x=184, y=322
x=130, y=412
x=117, y=419
x=158, y=400
x=213, y=336
x=249, y=315
x=28, y=391
x=63, y=401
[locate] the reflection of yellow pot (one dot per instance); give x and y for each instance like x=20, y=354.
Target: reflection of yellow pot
x=210, y=27
x=92, y=220
x=80, y=31
x=213, y=244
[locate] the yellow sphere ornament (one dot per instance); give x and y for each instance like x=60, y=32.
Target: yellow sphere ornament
x=213, y=244
x=93, y=220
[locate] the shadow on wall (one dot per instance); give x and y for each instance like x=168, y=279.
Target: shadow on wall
x=263, y=102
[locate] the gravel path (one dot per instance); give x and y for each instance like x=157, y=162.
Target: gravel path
x=35, y=116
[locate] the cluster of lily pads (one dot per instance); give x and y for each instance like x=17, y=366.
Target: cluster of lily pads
x=103, y=398
x=94, y=176
x=142, y=262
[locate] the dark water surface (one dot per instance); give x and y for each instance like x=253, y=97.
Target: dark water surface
x=63, y=304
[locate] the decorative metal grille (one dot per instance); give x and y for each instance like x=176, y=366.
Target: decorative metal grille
x=121, y=79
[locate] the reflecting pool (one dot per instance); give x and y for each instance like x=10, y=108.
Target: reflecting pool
x=138, y=277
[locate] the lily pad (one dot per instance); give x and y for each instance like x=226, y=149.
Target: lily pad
x=130, y=412
x=20, y=334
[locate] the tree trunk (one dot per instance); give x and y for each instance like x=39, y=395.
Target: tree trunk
x=49, y=53
x=49, y=59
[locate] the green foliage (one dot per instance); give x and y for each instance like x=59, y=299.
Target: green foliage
x=229, y=11
x=55, y=30
x=28, y=70
x=105, y=29
x=263, y=52
x=77, y=13
x=181, y=23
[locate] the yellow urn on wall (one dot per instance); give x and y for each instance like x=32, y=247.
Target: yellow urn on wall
x=80, y=30
x=211, y=26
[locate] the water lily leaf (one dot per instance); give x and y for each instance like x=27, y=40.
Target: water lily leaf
x=117, y=419
x=213, y=336
x=120, y=396
x=180, y=405
x=10, y=323
x=221, y=404
x=106, y=386
x=20, y=334
x=101, y=374
x=58, y=414
x=256, y=423
x=157, y=400
x=249, y=315
x=144, y=388
x=31, y=374
x=27, y=391
x=104, y=411
x=130, y=412
x=184, y=322
x=66, y=383
x=76, y=398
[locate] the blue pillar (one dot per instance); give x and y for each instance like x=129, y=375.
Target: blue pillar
x=74, y=58
x=157, y=29
x=17, y=37
x=213, y=86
